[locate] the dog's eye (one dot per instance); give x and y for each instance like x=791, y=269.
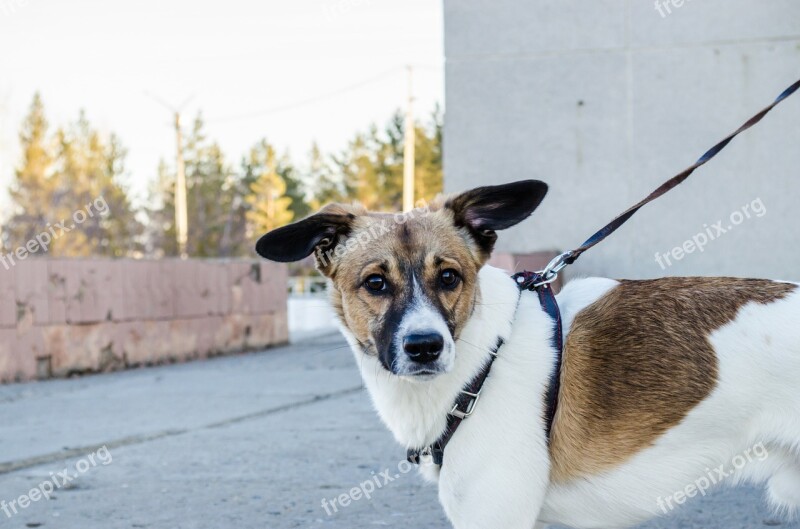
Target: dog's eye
x=449, y=278
x=375, y=283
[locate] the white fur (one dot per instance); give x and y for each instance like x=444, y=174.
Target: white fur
x=496, y=468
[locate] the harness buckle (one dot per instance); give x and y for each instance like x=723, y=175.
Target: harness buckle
x=455, y=412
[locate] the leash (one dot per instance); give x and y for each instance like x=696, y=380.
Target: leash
x=568, y=258
x=539, y=282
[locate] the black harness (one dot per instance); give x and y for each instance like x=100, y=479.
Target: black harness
x=468, y=398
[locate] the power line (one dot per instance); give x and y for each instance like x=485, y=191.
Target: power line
x=308, y=101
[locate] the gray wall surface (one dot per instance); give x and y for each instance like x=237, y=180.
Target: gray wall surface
x=605, y=100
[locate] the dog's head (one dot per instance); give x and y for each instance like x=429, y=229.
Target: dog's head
x=405, y=284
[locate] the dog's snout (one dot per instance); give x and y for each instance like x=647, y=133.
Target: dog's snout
x=423, y=348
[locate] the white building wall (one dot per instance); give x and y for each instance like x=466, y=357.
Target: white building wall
x=606, y=99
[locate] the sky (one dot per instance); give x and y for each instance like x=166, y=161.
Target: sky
x=293, y=71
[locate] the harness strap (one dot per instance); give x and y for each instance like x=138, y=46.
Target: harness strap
x=468, y=397
x=535, y=281
x=464, y=406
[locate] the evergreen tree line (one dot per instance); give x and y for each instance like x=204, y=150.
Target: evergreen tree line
x=229, y=205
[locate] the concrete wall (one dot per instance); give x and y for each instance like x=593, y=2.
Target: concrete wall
x=61, y=317
x=605, y=100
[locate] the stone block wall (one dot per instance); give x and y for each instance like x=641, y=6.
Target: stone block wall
x=60, y=317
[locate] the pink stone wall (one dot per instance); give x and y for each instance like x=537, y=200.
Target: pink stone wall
x=65, y=316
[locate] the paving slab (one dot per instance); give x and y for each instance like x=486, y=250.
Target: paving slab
x=251, y=441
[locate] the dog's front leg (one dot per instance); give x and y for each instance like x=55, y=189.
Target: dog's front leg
x=485, y=497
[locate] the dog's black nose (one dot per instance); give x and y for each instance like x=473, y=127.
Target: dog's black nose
x=423, y=348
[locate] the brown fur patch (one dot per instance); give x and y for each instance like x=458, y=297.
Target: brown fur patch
x=637, y=361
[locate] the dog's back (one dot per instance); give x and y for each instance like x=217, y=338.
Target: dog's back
x=682, y=374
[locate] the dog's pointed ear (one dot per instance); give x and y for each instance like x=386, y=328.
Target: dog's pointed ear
x=485, y=210
x=320, y=232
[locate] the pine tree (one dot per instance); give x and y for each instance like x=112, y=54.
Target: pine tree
x=270, y=207
x=428, y=174
x=371, y=168
x=326, y=183
x=31, y=189
x=161, y=238
x=215, y=199
x=72, y=178
x=90, y=170
x=225, y=207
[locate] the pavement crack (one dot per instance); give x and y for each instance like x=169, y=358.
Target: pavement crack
x=285, y=407
x=13, y=466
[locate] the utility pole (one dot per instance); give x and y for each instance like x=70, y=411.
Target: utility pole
x=181, y=208
x=408, y=148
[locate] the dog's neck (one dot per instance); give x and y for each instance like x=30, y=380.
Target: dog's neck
x=416, y=411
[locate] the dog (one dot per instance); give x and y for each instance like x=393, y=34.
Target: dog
x=668, y=387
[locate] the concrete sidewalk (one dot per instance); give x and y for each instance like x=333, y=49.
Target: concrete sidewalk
x=253, y=441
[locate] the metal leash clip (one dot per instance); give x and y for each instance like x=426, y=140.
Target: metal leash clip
x=550, y=272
